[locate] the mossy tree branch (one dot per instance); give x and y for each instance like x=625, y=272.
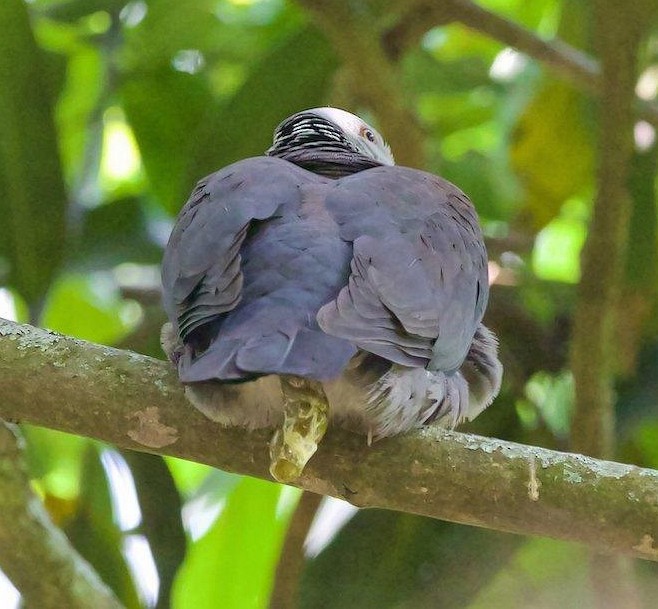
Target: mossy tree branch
x=36, y=555
x=136, y=402
x=562, y=59
x=618, y=27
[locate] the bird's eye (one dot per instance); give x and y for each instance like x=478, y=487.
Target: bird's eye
x=369, y=135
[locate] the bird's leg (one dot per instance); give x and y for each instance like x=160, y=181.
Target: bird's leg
x=305, y=418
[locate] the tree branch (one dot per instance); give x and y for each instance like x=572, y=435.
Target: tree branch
x=604, y=253
x=373, y=76
x=618, y=29
x=60, y=577
x=566, y=61
x=562, y=59
x=136, y=402
x=285, y=594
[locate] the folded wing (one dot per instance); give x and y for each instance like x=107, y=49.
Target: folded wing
x=249, y=263
x=418, y=285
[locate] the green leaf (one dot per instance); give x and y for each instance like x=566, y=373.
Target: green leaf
x=474, y=175
x=114, y=233
x=72, y=10
x=556, y=254
x=552, y=396
x=530, y=14
x=275, y=88
x=215, y=487
x=95, y=534
x=551, y=573
x=552, y=146
x=32, y=193
x=383, y=559
x=88, y=307
x=188, y=475
x=168, y=27
x=235, y=33
x=185, y=133
x=160, y=504
x=232, y=565
x=553, y=132
x=77, y=107
x=642, y=253
x=55, y=460
x=645, y=440
x=165, y=109
x=426, y=73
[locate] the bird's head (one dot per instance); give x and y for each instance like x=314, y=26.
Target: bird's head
x=330, y=141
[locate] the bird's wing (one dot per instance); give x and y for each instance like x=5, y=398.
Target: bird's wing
x=201, y=272
x=418, y=285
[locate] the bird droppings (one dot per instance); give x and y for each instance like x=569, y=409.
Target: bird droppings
x=150, y=431
x=646, y=546
x=304, y=425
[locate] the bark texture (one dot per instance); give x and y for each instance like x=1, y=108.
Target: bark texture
x=136, y=402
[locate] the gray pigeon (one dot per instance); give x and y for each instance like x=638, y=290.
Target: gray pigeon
x=361, y=282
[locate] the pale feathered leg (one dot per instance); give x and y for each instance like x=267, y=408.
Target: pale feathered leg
x=306, y=413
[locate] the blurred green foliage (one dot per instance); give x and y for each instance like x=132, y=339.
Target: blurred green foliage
x=111, y=110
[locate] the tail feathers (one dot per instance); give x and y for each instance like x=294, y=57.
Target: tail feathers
x=450, y=397
x=481, y=374
x=405, y=398
x=399, y=398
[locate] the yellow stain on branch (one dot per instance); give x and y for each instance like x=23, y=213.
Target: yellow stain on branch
x=646, y=546
x=534, y=483
x=150, y=431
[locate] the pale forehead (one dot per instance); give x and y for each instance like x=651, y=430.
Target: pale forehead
x=347, y=121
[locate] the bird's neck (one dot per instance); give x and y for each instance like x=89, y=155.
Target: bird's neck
x=329, y=163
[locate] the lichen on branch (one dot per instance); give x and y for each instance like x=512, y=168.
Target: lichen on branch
x=129, y=399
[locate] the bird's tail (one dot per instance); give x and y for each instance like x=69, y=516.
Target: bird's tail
x=463, y=395
x=404, y=397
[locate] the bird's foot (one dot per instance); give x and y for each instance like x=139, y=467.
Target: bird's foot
x=304, y=425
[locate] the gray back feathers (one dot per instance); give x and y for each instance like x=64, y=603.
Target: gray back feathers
x=323, y=260
x=291, y=272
